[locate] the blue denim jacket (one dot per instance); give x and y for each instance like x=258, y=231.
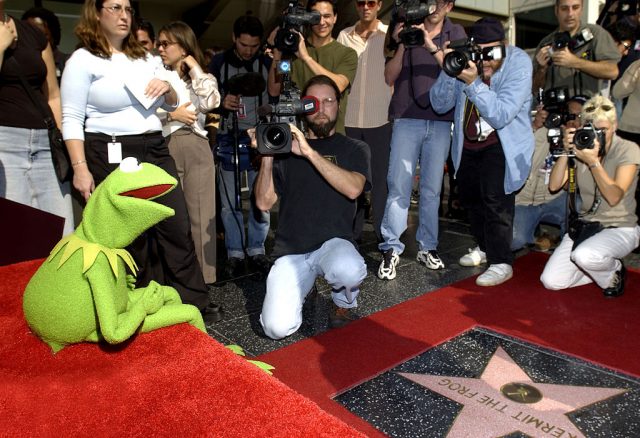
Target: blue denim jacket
x=505, y=105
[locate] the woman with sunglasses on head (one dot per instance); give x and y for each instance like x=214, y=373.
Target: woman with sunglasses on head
x=111, y=90
x=606, y=176
x=27, y=175
x=187, y=136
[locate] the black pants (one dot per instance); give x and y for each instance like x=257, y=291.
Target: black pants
x=490, y=210
x=379, y=141
x=165, y=253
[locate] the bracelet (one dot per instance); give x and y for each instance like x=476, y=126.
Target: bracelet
x=77, y=163
x=594, y=165
x=438, y=49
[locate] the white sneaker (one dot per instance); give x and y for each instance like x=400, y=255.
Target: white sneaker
x=387, y=268
x=430, y=259
x=496, y=274
x=475, y=257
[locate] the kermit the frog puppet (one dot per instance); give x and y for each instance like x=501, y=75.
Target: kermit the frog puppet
x=82, y=292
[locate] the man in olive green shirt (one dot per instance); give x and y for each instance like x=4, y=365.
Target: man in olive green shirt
x=320, y=55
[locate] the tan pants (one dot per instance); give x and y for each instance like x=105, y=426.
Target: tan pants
x=196, y=170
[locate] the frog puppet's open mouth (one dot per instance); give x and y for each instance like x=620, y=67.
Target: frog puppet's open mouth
x=150, y=192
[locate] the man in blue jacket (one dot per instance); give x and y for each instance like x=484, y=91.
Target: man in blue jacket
x=492, y=143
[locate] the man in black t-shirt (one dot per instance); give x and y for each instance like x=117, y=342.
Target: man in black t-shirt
x=317, y=185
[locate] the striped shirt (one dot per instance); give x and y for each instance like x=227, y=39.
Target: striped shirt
x=368, y=105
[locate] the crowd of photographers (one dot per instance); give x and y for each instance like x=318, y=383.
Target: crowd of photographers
x=324, y=126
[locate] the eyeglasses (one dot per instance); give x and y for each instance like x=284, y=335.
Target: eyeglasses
x=592, y=108
x=165, y=44
x=329, y=101
x=118, y=9
x=370, y=3
x=626, y=45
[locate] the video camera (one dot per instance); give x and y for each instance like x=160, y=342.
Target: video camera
x=564, y=39
x=468, y=50
x=274, y=136
x=295, y=18
x=410, y=12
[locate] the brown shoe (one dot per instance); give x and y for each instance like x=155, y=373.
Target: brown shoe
x=339, y=316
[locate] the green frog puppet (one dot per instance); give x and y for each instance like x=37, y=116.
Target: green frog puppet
x=82, y=292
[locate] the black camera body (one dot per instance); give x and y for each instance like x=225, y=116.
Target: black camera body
x=410, y=12
x=585, y=137
x=274, y=136
x=564, y=39
x=464, y=50
x=295, y=18
x=555, y=102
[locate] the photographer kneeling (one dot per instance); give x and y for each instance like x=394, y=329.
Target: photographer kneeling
x=317, y=184
x=606, y=231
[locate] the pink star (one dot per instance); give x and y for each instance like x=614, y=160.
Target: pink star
x=505, y=400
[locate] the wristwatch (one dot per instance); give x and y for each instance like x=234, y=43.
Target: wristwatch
x=433, y=52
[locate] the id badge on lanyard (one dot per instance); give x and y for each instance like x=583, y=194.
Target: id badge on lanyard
x=114, y=150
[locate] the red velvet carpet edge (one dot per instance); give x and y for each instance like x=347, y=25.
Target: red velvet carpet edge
x=579, y=322
x=171, y=382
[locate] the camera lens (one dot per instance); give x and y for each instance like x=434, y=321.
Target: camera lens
x=454, y=63
x=275, y=137
x=583, y=138
x=553, y=120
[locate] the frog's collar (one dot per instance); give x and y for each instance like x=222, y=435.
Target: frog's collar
x=90, y=252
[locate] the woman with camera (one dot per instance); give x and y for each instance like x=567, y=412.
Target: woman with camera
x=606, y=230
x=187, y=137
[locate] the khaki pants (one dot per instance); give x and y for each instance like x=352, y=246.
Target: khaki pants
x=196, y=169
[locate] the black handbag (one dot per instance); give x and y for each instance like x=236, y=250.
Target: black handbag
x=59, y=152
x=580, y=230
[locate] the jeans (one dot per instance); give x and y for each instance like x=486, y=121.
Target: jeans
x=27, y=175
x=527, y=217
x=292, y=277
x=259, y=221
x=413, y=141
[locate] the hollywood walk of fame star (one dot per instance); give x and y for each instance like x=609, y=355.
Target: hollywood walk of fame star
x=505, y=400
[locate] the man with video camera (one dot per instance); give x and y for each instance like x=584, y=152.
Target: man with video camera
x=228, y=67
x=492, y=138
x=321, y=54
x=601, y=233
x=576, y=56
x=420, y=135
x=317, y=184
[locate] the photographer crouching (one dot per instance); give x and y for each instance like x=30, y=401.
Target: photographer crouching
x=317, y=184
x=603, y=232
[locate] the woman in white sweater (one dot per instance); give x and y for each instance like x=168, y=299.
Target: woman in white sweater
x=188, y=144
x=111, y=90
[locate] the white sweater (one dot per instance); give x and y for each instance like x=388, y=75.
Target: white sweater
x=95, y=98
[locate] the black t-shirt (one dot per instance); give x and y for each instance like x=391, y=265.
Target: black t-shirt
x=311, y=211
x=16, y=108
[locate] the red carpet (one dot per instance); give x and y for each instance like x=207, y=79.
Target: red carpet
x=579, y=322
x=172, y=382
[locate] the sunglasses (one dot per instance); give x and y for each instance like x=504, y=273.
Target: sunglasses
x=592, y=108
x=369, y=3
x=626, y=45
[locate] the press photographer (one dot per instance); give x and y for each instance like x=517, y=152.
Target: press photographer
x=575, y=56
x=492, y=143
x=419, y=135
x=605, y=229
x=319, y=54
x=317, y=185
x=465, y=51
x=535, y=203
x=410, y=13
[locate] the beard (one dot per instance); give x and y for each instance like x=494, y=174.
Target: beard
x=322, y=128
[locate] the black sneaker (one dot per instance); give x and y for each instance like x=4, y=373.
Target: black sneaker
x=617, y=284
x=430, y=259
x=387, y=268
x=233, y=267
x=340, y=316
x=212, y=313
x=261, y=263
